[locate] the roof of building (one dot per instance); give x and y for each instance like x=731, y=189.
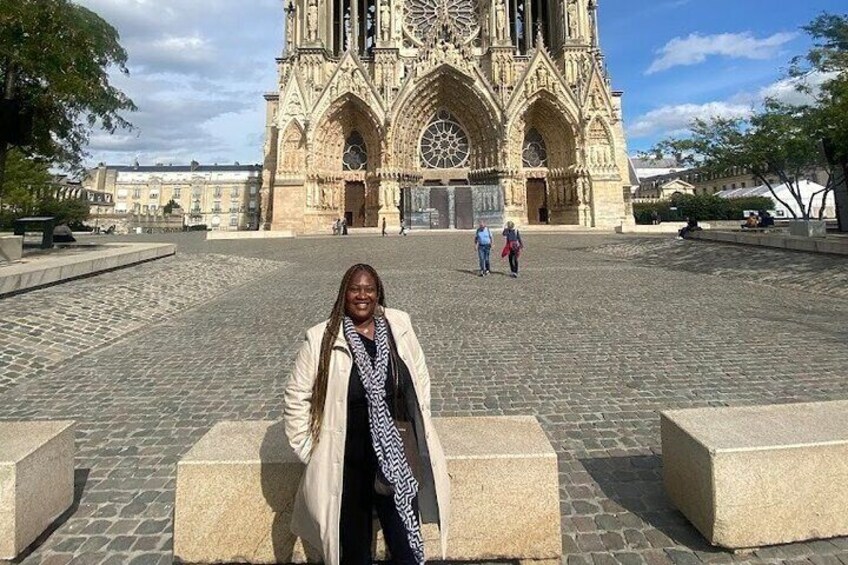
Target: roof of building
x=184, y=168
x=805, y=188
x=656, y=164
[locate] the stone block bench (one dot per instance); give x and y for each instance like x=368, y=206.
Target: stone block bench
x=761, y=475
x=236, y=488
x=11, y=248
x=36, y=480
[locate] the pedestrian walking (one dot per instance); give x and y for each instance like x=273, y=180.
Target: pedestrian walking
x=512, y=247
x=402, y=227
x=357, y=413
x=344, y=226
x=336, y=226
x=384, y=227
x=483, y=241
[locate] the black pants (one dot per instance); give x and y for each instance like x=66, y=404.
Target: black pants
x=513, y=261
x=356, y=525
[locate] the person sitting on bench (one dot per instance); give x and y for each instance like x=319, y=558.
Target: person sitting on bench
x=766, y=219
x=751, y=222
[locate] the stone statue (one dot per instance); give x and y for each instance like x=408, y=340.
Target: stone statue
x=500, y=20
x=583, y=183
x=572, y=19
x=385, y=20
x=289, y=31
x=312, y=21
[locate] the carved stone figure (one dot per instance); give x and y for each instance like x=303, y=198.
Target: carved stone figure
x=572, y=19
x=500, y=20
x=385, y=20
x=312, y=21
x=290, y=31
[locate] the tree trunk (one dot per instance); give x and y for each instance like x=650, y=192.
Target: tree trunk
x=840, y=195
x=8, y=93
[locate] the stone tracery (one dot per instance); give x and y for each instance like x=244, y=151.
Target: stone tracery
x=442, y=93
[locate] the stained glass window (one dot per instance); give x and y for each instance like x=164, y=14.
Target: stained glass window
x=444, y=144
x=422, y=16
x=355, y=156
x=535, y=153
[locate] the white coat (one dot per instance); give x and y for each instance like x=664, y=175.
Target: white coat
x=317, y=508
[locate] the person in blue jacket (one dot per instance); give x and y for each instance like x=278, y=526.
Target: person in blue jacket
x=483, y=241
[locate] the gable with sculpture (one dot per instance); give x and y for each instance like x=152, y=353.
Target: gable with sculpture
x=443, y=113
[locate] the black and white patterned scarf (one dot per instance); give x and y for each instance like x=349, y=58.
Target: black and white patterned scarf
x=385, y=437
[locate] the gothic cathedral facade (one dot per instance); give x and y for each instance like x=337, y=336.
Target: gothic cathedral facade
x=443, y=113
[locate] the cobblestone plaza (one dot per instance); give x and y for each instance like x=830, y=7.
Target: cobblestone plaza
x=599, y=334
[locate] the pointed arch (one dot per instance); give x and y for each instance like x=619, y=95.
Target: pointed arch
x=600, y=145
x=547, y=116
x=292, y=149
x=346, y=114
x=446, y=89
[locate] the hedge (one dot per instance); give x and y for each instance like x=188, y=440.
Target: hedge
x=702, y=207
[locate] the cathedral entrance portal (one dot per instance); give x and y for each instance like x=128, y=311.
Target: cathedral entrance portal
x=449, y=207
x=355, y=204
x=537, y=202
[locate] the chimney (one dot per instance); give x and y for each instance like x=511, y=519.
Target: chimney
x=194, y=165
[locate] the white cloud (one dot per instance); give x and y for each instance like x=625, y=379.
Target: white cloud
x=197, y=75
x=694, y=49
x=676, y=119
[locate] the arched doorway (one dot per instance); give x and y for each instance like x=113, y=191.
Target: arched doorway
x=347, y=148
x=445, y=132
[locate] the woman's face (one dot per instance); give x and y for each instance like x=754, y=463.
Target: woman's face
x=361, y=297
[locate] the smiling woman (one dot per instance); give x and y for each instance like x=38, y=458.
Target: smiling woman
x=357, y=413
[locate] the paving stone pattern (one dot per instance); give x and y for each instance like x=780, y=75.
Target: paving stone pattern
x=810, y=272
x=590, y=344
x=41, y=329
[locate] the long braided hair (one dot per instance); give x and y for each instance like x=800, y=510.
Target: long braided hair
x=319, y=389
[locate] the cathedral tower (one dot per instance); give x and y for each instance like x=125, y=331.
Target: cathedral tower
x=443, y=113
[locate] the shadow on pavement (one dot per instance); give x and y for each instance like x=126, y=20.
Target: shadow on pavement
x=635, y=483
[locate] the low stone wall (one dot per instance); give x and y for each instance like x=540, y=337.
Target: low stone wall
x=36, y=480
x=763, y=475
x=47, y=269
x=236, y=487
x=833, y=245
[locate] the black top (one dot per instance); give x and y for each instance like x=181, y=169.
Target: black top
x=358, y=448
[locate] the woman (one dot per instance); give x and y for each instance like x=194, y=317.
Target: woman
x=512, y=247
x=353, y=377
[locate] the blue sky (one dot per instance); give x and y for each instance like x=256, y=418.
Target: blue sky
x=199, y=68
x=751, y=42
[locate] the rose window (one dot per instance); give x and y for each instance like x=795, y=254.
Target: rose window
x=423, y=17
x=444, y=144
x=535, y=153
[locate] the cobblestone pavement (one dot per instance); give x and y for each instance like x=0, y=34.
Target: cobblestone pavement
x=591, y=344
x=41, y=329
x=810, y=272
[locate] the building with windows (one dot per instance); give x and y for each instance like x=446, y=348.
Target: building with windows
x=703, y=182
x=222, y=197
x=443, y=113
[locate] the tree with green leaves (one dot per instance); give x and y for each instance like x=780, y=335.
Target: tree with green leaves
x=829, y=114
x=775, y=142
x=55, y=88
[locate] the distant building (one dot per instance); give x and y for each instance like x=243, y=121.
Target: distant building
x=703, y=182
x=222, y=197
x=810, y=192
x=64, y=188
